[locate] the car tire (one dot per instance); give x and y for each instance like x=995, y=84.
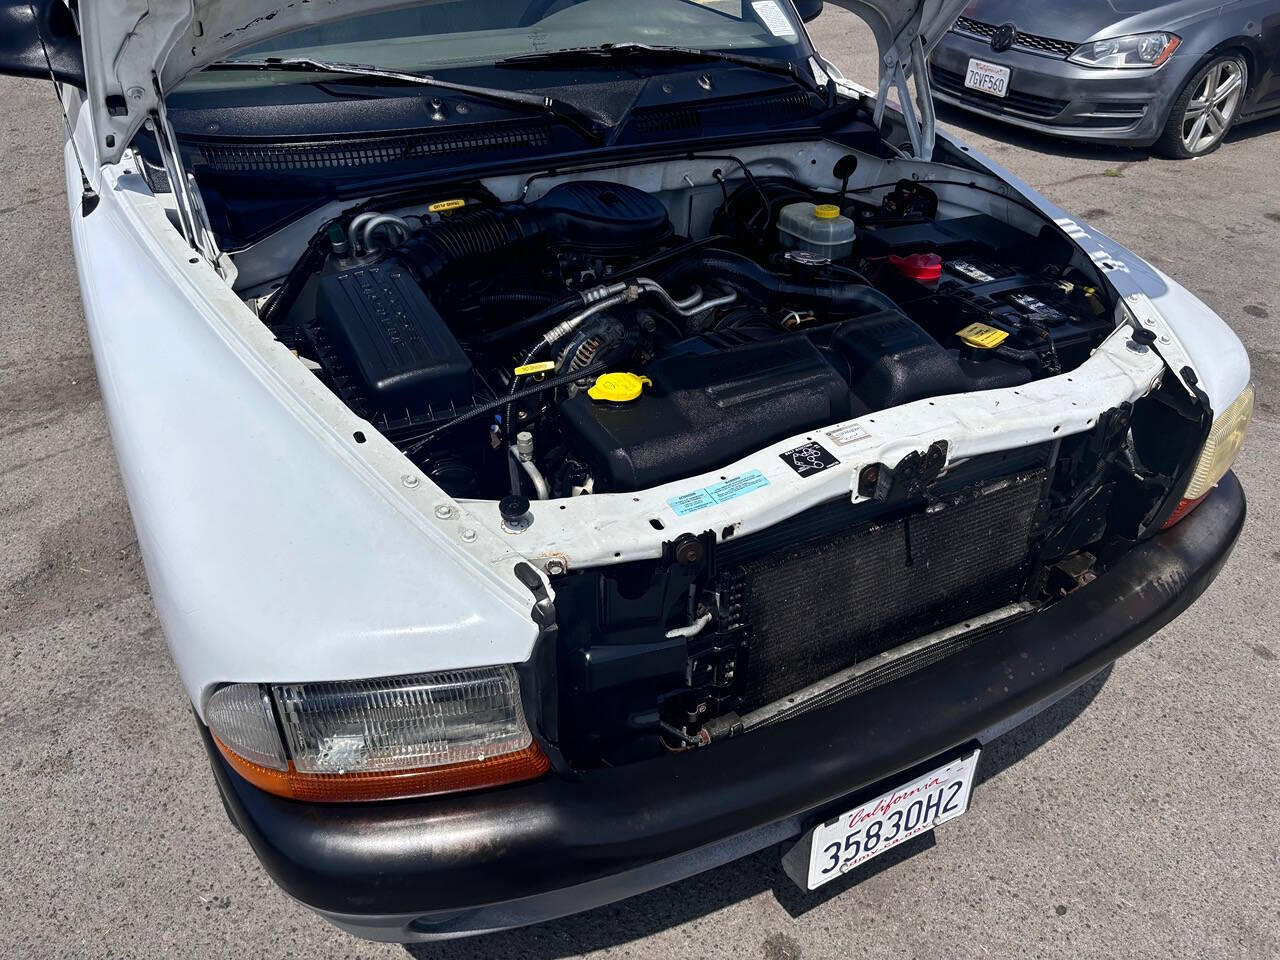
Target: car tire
x=1205, y=109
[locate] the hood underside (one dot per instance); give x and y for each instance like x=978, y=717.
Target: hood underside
x=137, y=50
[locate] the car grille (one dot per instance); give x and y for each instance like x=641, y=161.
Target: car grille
x=821, y=606
x=1026, y=41
x=1022, y=104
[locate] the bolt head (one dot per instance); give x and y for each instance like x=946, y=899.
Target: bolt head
x=410, y=481
x=444, y=511
x=468, y=535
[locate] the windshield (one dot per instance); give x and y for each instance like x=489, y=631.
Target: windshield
x=443, y=34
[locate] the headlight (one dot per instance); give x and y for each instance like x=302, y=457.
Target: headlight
x=1226, y=437
x=1139, y=50
x=378, y=739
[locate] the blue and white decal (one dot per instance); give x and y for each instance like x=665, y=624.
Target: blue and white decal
x=722, y=492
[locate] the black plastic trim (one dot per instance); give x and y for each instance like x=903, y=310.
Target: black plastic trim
x=614, y=828
x=39, y=37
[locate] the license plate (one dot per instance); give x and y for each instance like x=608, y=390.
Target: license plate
x=864, y=833
x=988, y=77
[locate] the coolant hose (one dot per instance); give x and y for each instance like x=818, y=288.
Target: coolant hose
x=541, y=319
x=744, y=273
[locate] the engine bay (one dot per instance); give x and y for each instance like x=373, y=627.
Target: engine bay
x=580, y=343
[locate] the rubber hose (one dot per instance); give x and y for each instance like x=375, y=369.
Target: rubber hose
x=538, y=321
x=493, y=405
x=744, y=273
x=309, y=264
x=438, y=246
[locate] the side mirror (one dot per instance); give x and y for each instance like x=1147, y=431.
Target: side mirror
x=808, y=9
x=21, y=30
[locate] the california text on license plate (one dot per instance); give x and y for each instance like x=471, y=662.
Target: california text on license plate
x=881, y=824
x=988, y=77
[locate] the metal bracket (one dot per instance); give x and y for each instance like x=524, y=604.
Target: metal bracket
x=1145, y=316
x=899, y=66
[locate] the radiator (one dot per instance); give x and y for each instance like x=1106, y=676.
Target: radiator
x=823, y=605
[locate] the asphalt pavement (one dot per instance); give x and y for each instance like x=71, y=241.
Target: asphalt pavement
x=1136, y=819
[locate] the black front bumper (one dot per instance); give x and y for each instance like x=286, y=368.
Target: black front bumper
x=455, y=865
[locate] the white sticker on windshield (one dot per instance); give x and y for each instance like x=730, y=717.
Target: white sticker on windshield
x=771, y=16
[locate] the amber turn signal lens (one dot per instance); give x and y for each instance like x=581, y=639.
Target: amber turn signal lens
x=378, y=739
x=526, y=764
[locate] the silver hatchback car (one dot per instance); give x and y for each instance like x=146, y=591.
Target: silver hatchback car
x=1172, y=75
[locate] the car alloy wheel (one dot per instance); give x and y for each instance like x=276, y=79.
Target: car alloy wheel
x=1215, y=99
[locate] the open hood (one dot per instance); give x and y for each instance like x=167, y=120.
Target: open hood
x=136, y=50
x=906, y=32
x=898, y=23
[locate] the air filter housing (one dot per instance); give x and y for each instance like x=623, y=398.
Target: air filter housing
x=388, y=335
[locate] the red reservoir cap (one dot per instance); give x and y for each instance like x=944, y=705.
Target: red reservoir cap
x=926, y=267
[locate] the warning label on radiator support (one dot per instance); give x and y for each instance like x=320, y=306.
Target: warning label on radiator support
x=810, y=459
x=728, y=489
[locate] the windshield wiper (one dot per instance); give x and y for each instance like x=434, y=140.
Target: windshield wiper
x=650, y=51
x=569, y=114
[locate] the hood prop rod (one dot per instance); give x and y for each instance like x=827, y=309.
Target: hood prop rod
x=921, y=129
x=191, y=212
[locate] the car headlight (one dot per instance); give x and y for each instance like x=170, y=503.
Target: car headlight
x=1226, y=437
x=1139, y=50
x=377, y=739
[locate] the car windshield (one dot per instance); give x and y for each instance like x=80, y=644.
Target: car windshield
x=445, y=34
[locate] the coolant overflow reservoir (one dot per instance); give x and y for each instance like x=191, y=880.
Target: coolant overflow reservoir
x=817, y=228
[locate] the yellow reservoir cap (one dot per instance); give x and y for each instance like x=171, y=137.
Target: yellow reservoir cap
x=826, y=211
x=618, y=387
x=982, y=336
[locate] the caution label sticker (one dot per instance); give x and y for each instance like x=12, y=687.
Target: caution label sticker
x=982, y=336
x=722, y=492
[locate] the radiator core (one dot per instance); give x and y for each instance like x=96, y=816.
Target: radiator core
x=823, y=605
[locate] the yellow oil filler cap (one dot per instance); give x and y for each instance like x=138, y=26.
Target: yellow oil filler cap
x=826, y=211
x=618, y=387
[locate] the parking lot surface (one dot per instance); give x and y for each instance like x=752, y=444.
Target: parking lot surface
x=1136, y=819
